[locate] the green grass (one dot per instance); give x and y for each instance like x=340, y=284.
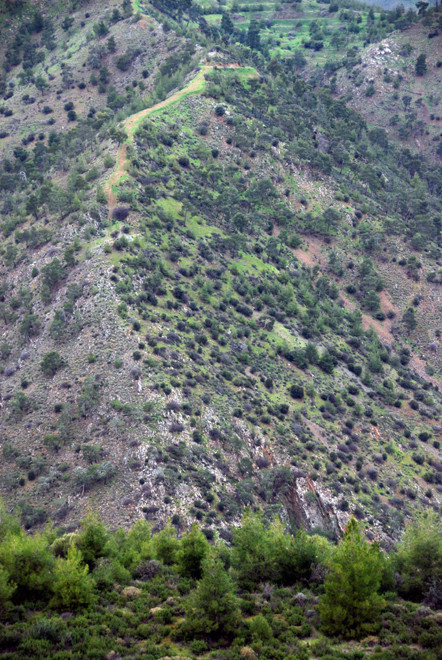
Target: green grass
x=276, y=31
x=171, y=206
x=281, y=332
x=170, y=102
x=249, y=263
x=244, y=74
x=200, y=229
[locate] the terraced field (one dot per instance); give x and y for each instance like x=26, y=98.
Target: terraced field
x=323, y=32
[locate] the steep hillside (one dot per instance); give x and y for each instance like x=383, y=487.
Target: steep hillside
x=366, y=55
x=308, y=34
x=386, y=88
x=219, y=283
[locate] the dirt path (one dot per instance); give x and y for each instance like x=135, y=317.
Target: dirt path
x=131, y=125
x=116, y=175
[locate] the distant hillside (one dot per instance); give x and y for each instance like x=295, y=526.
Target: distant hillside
x=392, y=4
x=220, y=282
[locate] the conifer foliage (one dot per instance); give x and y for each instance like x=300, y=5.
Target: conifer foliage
x=73, y=587
x=182, y=593
x=351, y=604
x=213, y=608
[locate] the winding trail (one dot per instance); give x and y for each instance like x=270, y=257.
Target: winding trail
x=131, y=124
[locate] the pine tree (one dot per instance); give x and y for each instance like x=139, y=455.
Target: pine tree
x=311, y=353
x=250, y=552
x=421, y=65
x=9, y=524
x=409, y=319
x=41, y=83
x=193, y=549
x=72, y=586
x=28, y=562
x=111, y=44
x=127, y=8
x=227, y=24
x=422, y=7
x=92, y=539
x=7, y=589
x=253, y=37
x=327, y=362
x=351, y=605
x=213, y=608
x=166, y=545
x=260, y=628
x=419, y=561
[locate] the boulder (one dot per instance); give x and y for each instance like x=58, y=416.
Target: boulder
x=131, y=592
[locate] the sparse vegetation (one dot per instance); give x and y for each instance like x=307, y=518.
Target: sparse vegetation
x=219, y=290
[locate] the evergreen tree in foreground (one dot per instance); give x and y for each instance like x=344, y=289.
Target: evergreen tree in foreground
x=72, y=586
x=351, y=605
x=193, y=549
x=213, y=608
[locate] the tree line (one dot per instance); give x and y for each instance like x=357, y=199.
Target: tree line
x=58, y=571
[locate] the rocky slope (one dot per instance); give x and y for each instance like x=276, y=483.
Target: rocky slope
x=242, y=311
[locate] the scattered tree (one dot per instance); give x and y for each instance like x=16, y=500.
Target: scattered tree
x=51, y=363
x=421, y=65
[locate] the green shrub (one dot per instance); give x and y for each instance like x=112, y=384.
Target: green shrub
x=20, y=405
x=260, y=628
x=72, y=587
x=51, y=363
x=296, y=391
x=144, y=630
x=45, y=628
x=28, y=563
x=198, y=646
x=96, y=473
x=108, y=161
x=61, y=546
